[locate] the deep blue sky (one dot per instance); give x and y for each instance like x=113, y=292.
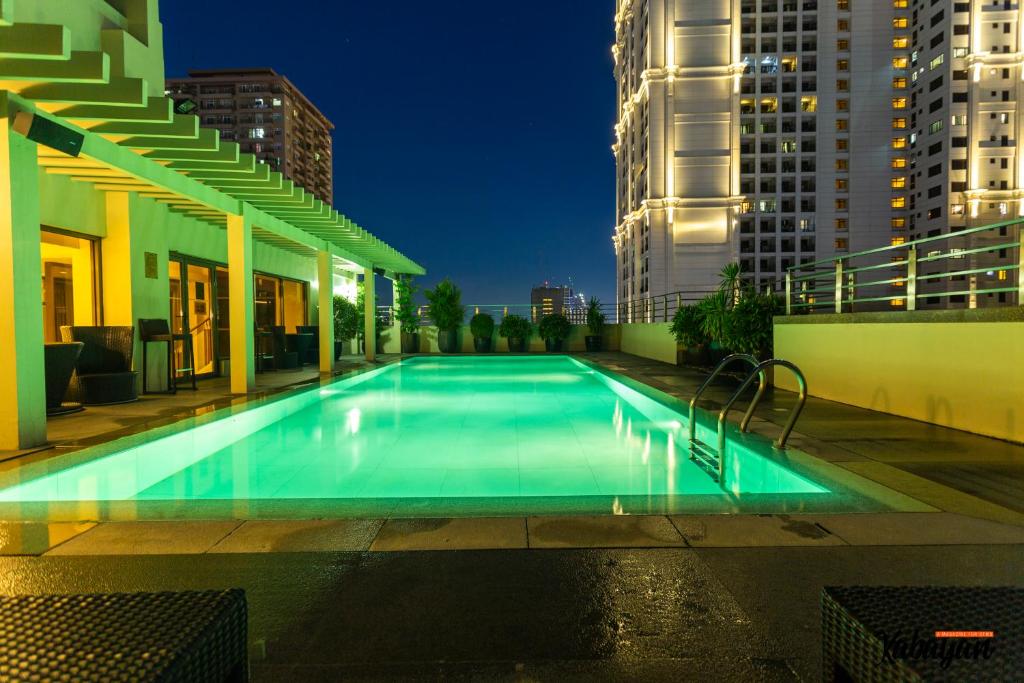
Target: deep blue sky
x=474, y=136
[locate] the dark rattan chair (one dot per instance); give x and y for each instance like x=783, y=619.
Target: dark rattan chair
x=188, y=636
x=313, y=351
x=104, y=372
x=283, y=358
x=60, y=360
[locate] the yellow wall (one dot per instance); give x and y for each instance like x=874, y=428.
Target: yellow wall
x=965, y=375
x=649, y=340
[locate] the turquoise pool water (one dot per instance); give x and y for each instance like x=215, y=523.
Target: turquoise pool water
x=432, y=427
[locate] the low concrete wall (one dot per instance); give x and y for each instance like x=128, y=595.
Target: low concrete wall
x=960, y=369
x=649, y=340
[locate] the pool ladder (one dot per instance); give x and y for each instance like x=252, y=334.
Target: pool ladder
x=711, y=458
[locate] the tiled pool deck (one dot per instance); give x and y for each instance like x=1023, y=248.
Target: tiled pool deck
x=712, y=597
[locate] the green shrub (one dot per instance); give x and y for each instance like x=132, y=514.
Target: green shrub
x=515, y=327
x=405, y=309
x=346, y=319
x=595, y=317
x=361, y=312
x=748, y=327
x=482, y=326
x=445, y=306
x=555, y=327
x=688, y=327
x=714, y=310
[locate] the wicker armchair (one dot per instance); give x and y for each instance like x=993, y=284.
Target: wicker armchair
x=283, y=358
x=313, y=350
x=60, y=360
x=104, y=372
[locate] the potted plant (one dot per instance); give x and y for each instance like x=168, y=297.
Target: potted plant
x=406, y=315
x=517, y=330
x=346, y=323
x=688, y=329
x=378, y=318
x=595, y=324
x=749, y=327
x=482, y=328
x=554, y=328
x=446, y=310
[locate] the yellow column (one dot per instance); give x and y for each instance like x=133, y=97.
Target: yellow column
x=240, y=304
x=370, y=313
x=22, y=374
x=325, y=296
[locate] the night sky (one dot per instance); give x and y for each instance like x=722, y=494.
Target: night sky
x=473, y=136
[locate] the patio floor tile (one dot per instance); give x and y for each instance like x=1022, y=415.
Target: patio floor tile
x=481, y=533
x=641, y=531
x=283, y=536
x=35, y=538
x=737, y=531
x=147, y=538
x=918, y=528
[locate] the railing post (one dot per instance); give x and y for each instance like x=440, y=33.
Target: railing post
x=839, y=285
x=665, y=302
x=972, y=300
x=476, y=310
x=789, y=292
x=912, y=279
x=851, y=290
x=679, y=301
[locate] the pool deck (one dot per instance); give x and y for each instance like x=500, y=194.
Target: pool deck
x=680, y=597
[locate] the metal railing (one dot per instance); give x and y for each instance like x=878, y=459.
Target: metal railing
x=981, y=266
x=713, y=461
x=654, y=309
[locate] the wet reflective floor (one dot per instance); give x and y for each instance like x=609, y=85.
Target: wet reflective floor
x=662, y=614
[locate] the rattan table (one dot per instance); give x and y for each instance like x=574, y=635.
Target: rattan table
x=893, y=633
x=190, y=636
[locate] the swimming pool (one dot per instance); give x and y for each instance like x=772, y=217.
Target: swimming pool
x=433, y=434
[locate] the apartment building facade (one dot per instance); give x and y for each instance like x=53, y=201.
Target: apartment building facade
x=268, y=117
x=780, y=132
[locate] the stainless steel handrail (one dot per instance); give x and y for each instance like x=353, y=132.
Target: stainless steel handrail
x=780, y=443
x=725, y=362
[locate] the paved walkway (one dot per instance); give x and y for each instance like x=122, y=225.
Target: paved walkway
x=945, y=468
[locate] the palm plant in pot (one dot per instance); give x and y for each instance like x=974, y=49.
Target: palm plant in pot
x=595, y=324
x=406, y=314
x=688, y=329
x=554, y=328
x=346, y=323
x=517, y=330
x=750, y=327
x=446, y=310
x=482, y=327
x=714, y=311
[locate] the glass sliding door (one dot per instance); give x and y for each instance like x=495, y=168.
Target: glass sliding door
x=70, y=283
x=192, y=290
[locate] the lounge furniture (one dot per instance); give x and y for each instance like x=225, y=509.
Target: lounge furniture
x=157, y=330
x=892, y=633
x=300, y=343
x=189, y=636
x=60, y=360
x=284, y=359
x=312, y=356
x=104, y=372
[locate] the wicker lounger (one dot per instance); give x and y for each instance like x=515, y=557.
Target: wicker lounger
x=889, y=634
x=124, y=637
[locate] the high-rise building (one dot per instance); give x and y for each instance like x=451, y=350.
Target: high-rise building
x=780, y=132
x=546, y=299
x=268, y=117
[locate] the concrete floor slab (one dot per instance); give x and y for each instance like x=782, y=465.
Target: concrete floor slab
x=147, y=538
x=627, y=531
x=738, y=531
x=289, y=536
x=481, y=533
x=916, y=528
x=35, y=538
